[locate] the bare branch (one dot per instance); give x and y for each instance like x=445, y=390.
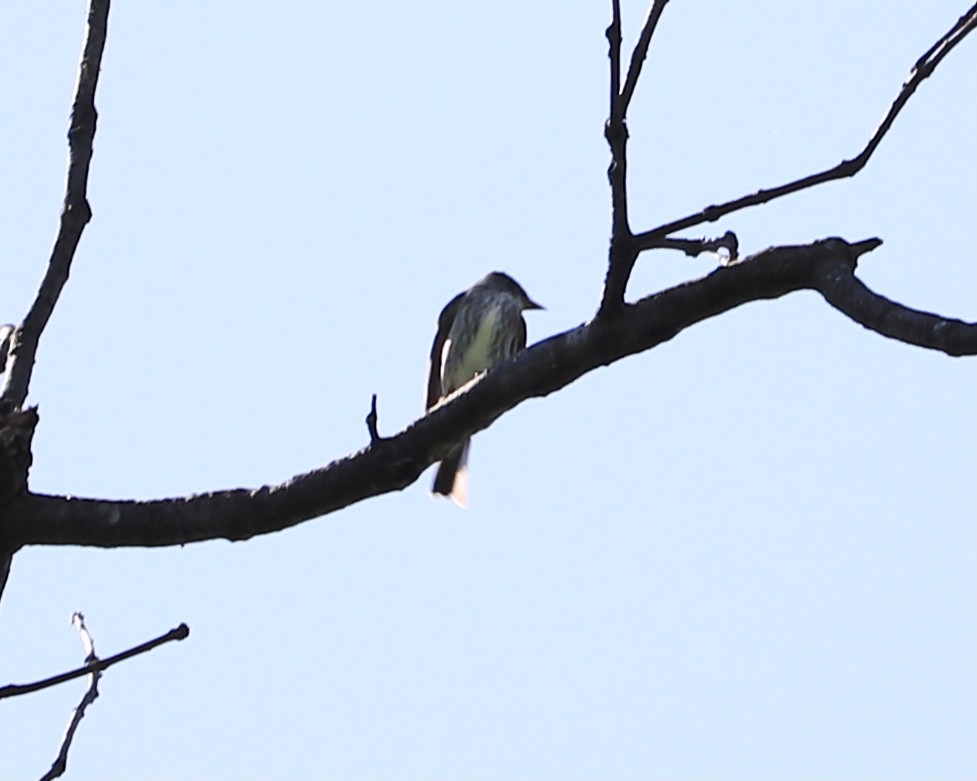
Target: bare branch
x=727, y=243
x=395, y=462
x=87, y=641
x=846, y=168
x=850, y=296
x=620, y=259
x=372, y=420
x=6, y=561
x=613, y=33
x=75, y=212
x=616, y=133
x=622, y=252
x=16, y=436
x=99, y=665
x=60, y=763
x=640, y=53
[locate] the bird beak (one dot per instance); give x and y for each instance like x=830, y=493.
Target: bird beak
x=530, y=304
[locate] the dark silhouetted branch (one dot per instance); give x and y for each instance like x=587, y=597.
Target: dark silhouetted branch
x=613, y=34
x=727, y=244
x=622, y=253
x=16, y=437
x=15, y=689
x=393, y=463
x=60, y=763
x=372, y=420
x=75, y=212
x=849, y=295
x=640, y=53
x=846, y=168
x=620, y=259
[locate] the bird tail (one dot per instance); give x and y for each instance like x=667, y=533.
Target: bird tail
x=452, y=477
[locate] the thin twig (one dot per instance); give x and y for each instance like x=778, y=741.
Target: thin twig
x=728, y=243
x=75, y=212
x=616, y=133
x=6, y=561
x=371, y=421
x=640, y=53
x=15, y=689
x=613, y=34
x=846, y=168
x=60, y=763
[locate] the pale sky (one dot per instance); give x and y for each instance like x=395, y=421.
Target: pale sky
x=750, y=553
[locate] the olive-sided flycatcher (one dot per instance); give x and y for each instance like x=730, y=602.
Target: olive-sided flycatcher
x=477, y=329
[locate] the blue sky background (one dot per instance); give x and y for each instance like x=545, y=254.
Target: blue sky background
x=750, y=553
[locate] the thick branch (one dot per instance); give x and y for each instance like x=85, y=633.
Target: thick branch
x=849, y=295
x=393, y=463
x=922, y=70
x=75, y=212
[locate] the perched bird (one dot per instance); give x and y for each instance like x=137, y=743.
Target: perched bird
x=6, y=331
x=477, y=329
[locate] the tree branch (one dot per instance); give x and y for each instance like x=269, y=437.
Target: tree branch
x=393, y=463
x=850, y=296
x=728, y=245
x=640, y=53
x=622, y=253
x=60, y=763
x=620, y=257
x=97, y=665
x=75, y=212
x=923, y=68
x=613, y=33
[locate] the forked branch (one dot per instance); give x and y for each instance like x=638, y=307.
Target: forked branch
x=622, y=252
x=95, y=665
x=625, y=246
x=75, y=212
x=922, y=70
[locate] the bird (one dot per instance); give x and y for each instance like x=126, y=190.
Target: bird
x=6, y=334
x=478, y=328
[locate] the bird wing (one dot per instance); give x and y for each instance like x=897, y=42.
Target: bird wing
x=521, y=339
x=445, y=320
